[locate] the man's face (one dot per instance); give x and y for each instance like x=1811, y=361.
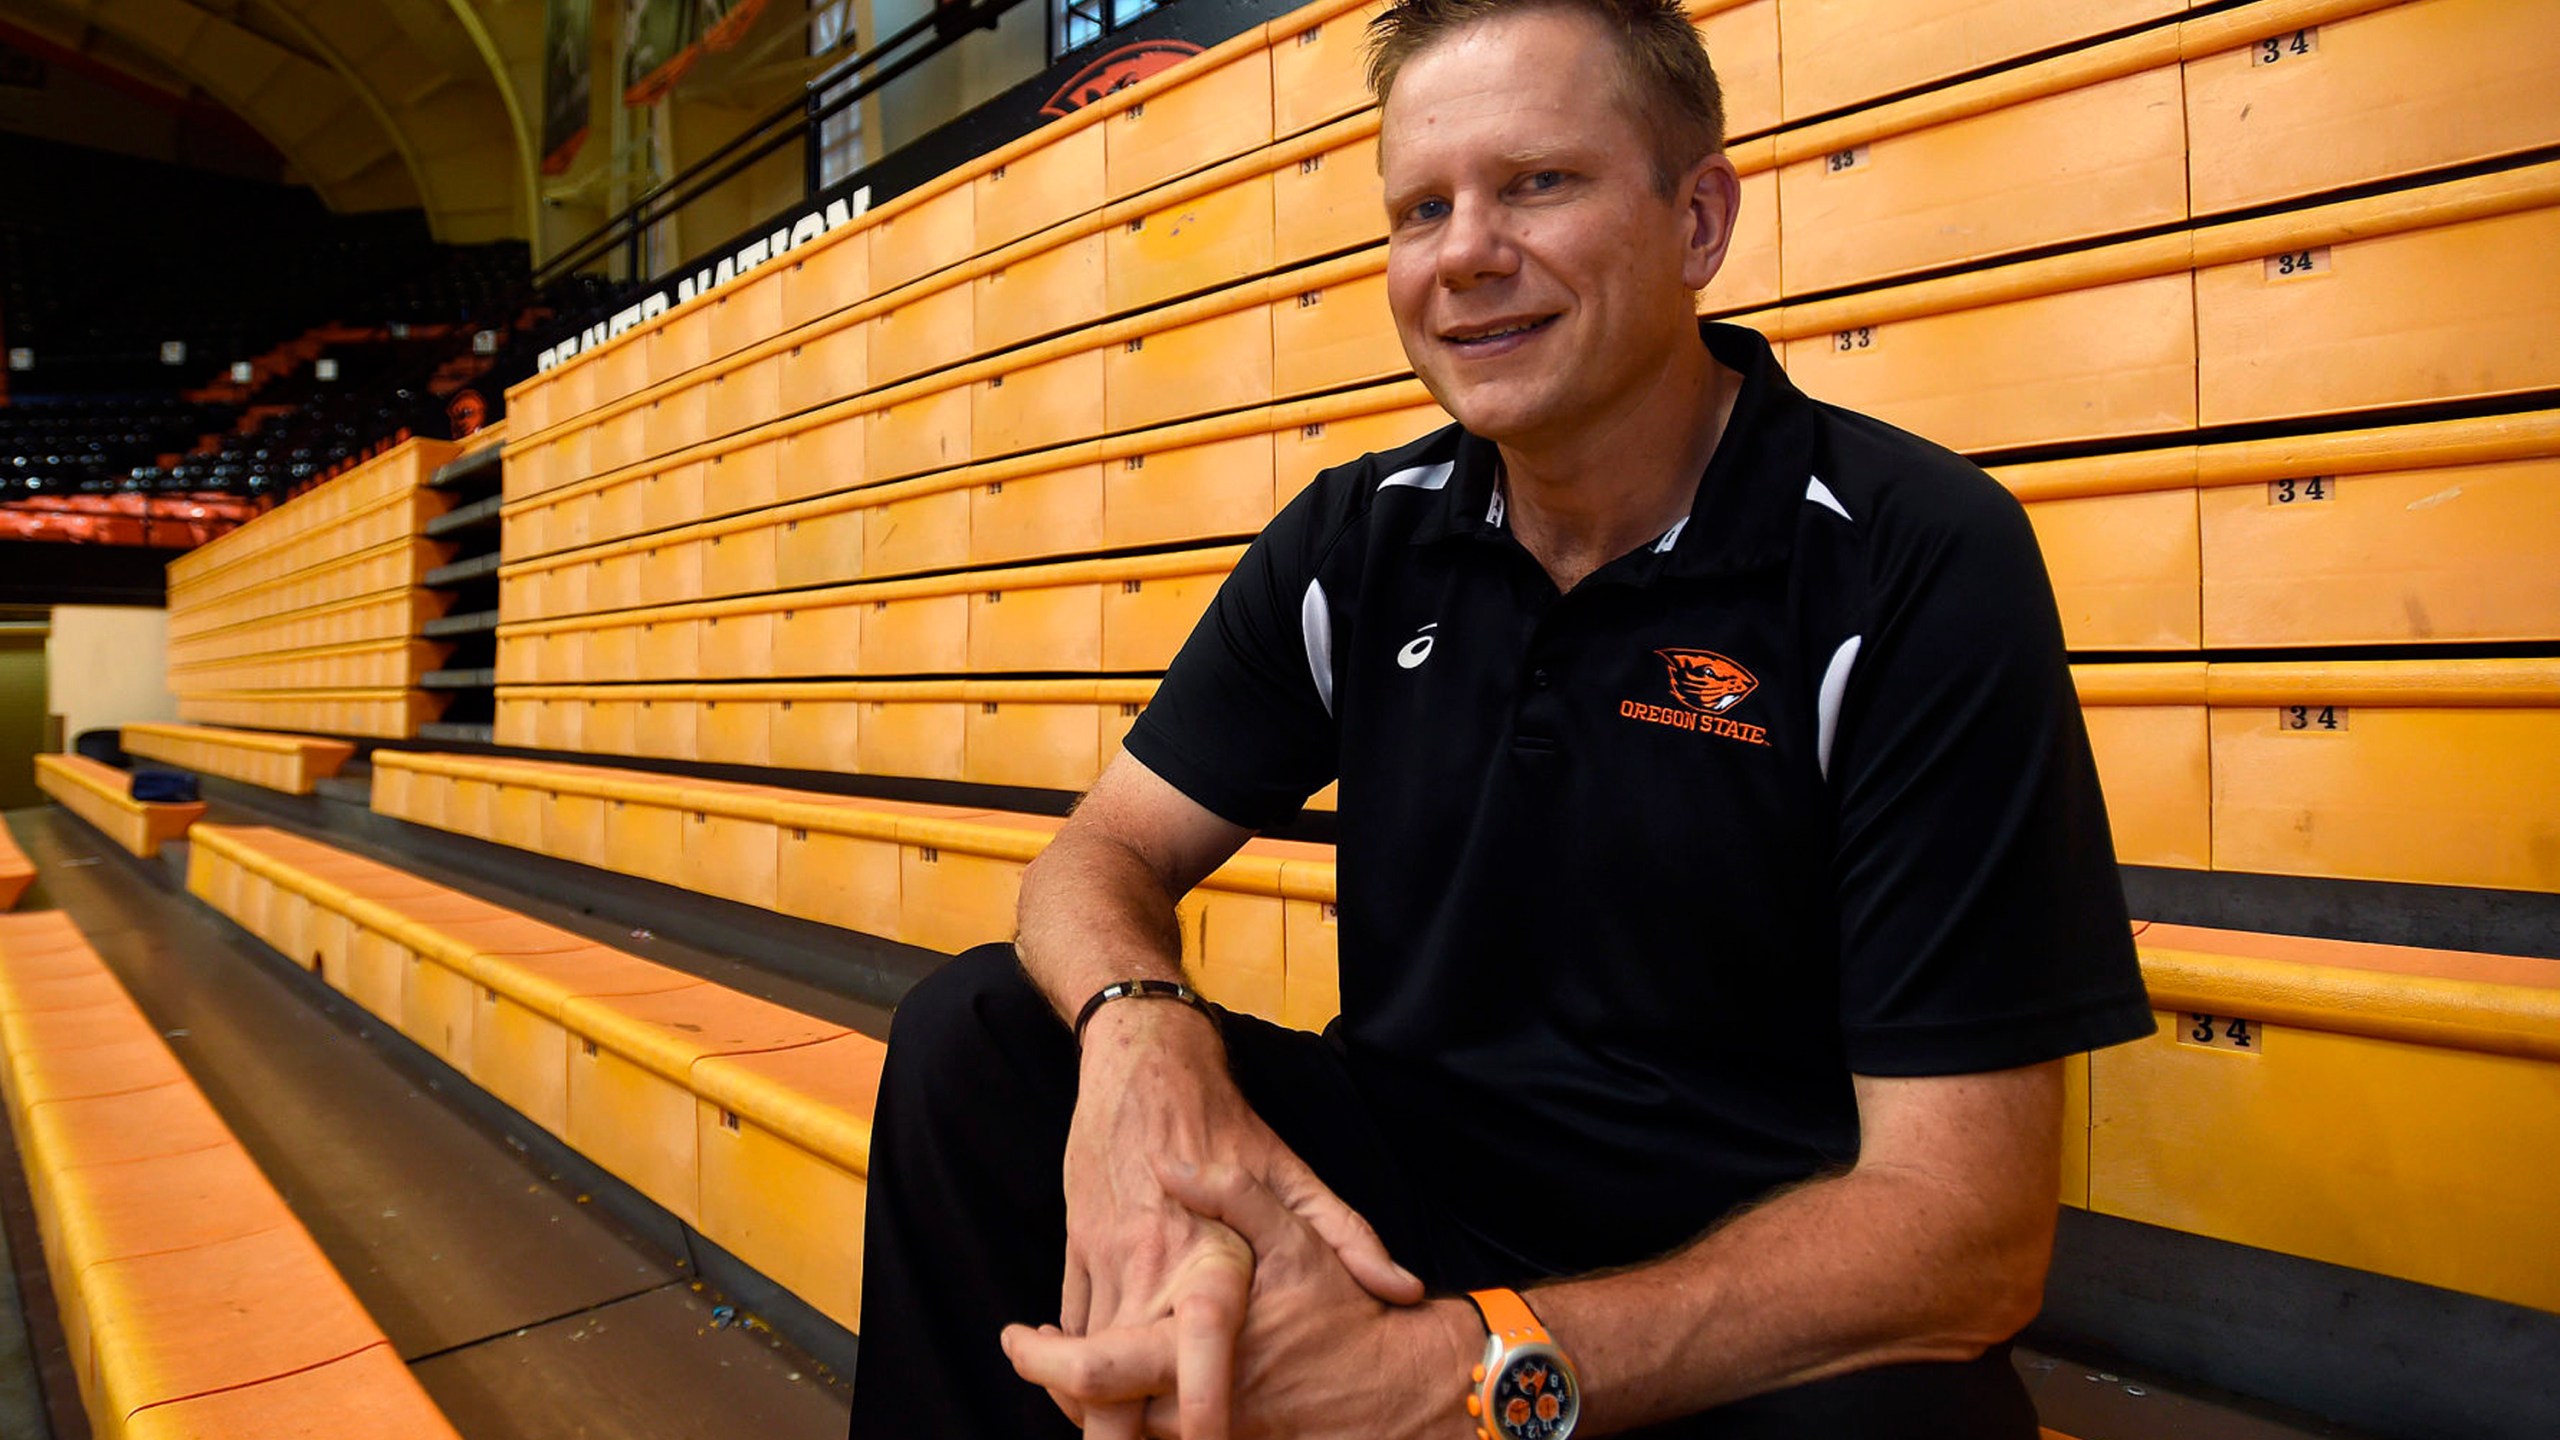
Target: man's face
x=1535, y=270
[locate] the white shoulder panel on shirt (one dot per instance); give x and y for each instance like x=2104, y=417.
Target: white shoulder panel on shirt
x=1315, y=624
x=1420, y=477
x=1820, y=494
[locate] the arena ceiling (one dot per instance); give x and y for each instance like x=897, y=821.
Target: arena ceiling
x=376, y=104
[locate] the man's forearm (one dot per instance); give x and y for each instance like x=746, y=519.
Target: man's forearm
x=1093, y=912
x=1933, y=1247
x=1864, y=1268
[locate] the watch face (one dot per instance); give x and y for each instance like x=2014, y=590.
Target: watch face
x=1534, y=1397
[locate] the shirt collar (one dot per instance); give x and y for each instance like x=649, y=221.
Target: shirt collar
x=1743, y=517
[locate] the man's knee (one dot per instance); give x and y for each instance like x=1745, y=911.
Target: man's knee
x=976, y=1006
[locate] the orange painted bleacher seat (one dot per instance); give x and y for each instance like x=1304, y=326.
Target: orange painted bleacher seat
x=2394, y=91
x=1839, y=53
x=725, y=1110
x=2087, y=144
x=16, y=871
x=179, y=1272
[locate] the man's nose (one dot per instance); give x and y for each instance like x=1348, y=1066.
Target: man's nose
x=1476, y=245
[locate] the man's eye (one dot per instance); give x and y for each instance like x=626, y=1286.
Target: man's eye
x=1543, y=179
x=1426, y=210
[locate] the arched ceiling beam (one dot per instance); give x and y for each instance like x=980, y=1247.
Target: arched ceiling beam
x=317, y=45
x=468, y=17
x=168, y=30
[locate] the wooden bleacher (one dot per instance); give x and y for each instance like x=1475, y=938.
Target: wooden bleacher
x=1259, y=933
x=2379, y=1107
x=2333, y=1170
x=193, y=1303
x=748, y=1121
x=309, y=617
x=16, y=874
x=781, y=516
x=102, y=795
x=290, y=763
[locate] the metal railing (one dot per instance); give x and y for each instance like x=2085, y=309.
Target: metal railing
x=795, y=122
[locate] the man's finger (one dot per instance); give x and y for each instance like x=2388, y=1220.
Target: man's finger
x=1208, y=1320
x=1075, y=1298
x=1238, y=1201
x=1125, y=1421
x=1102, y=1299
x=1353, y=1240
x=1361, y=1251
x=1102, y=1371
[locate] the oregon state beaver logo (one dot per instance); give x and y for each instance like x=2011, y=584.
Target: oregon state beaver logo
x=1704, y=680
x=1705, y=685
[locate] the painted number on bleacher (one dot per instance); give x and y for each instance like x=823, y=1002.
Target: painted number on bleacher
x=2277, y=48
x=1861, y=338
x=2222, y=1032
x=1841, y=161
x=2303, y=491
x=2312, y=719
x=2294, y=264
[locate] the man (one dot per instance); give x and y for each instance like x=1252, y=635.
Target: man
x=1722, y=873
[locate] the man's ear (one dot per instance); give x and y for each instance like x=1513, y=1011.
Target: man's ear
x=1710, y=196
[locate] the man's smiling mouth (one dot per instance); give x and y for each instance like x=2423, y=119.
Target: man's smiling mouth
x=1500, y=330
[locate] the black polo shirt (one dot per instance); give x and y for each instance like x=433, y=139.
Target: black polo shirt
x=1634, y=877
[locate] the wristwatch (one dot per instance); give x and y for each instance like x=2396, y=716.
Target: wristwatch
x=1525, y=1389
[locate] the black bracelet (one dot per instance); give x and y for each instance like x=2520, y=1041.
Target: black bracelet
x=1142, y=990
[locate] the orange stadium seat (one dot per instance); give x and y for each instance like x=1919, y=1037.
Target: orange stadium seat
x=1742, y=42
x=1318, y=63
x=1840, y=53
x=2373, y=1106
x=912, y=238
x=2087, y=144
x=1046, y=284
x=1049, y=176
x=2451, y=300
x=179, y=1272
x=725, y=1110
x=1213, y=108
x=1324, y=195
x=2148, y=729
x=826, y=362
x=2291, y=114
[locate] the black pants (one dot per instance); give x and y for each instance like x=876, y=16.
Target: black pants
x=968, y=1228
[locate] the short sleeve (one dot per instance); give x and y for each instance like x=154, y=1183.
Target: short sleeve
x=1982, y=919
x=1239, y=723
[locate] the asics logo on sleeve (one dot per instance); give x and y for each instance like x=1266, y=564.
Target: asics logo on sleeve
x=1417, y=649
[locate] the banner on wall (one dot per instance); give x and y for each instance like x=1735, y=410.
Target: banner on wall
x=662, y=38
x=566, y=43
x=656, y=48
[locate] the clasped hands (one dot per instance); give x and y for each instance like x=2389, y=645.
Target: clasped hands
x=1231, y=1296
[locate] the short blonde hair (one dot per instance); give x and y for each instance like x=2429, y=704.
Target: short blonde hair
x=1670, y=86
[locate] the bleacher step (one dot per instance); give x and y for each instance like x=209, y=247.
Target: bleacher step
x=478, y=467
x=478, y=513
x=457, y=732
x=525, y=1309
x=476, y=622
x=478, y=567
x=480, y=679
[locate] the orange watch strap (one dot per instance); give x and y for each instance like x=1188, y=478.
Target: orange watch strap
x=1509, y=1316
